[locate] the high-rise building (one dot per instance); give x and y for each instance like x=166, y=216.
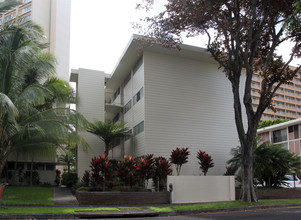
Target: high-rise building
x=287, y=99
x=54, y=17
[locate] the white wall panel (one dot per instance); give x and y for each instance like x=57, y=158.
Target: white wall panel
x=188, y=103
x=91, y=104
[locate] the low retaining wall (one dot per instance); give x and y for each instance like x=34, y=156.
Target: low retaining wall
x=280, y=193
x=194, y=189
x=122, y=198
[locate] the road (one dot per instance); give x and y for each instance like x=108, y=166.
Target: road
x=293, y=213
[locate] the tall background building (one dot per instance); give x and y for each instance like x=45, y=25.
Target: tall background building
x=54, y=17
x=287, y=99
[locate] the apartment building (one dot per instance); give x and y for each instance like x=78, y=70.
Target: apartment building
x=54, y=17
x=287, y=134
x=287, y=100
x=168, y=98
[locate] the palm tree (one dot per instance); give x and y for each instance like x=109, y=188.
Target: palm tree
x=29, y=93
x=271, y=163
x=108, y=132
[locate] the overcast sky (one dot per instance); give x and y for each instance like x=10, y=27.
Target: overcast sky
x=101, y=29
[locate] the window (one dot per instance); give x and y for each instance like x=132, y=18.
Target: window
x=26, y=1
x=295, y=130
x=279, y=135
x=139, y=128
x=127, y=79
x=7, y=18
x=50, y=166
x=128, y=135
x=116, y=93
x=27, y=18
x=127, y=107
x=0, y=21
x=116, y=118
x=27, y=9
x=138, y=96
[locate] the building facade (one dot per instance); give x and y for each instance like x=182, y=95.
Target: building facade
x=54, y=17
x=287, y=134
x=287, y=99
x=169, y=99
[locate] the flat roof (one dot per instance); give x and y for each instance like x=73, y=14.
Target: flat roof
x=134, y=50
x=279, y=126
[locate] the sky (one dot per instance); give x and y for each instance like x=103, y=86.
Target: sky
x=101, y=29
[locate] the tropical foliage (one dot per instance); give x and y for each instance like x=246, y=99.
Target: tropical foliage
x=179, y=157
x=267, y=123
x=162, y=168
x=102, y=170
x=145, y=168
x=205, y=161
x=126, y=171
x=30, y=122
x=271, y=163
x=108, y=132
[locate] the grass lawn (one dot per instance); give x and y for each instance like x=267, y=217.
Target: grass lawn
x=219, y=205
x=52, y=210
x=28, y=196
x=71, y=210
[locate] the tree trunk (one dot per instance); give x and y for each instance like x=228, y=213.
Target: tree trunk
x=31, y=170
x=247, y=193
x=107, y=150
x=2, y=164
x=246, y=139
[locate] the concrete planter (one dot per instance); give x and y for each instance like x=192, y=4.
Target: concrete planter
x=122, y=198
x=195, y=189
x=278, y=193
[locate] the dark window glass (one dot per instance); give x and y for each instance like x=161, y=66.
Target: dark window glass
x=139, y=128
x=50, y=167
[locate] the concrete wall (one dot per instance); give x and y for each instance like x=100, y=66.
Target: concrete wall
x=194, y=189
x=188, y=103
x=54, y=17
x=90, y=90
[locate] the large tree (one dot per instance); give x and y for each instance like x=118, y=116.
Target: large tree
x=243, y=36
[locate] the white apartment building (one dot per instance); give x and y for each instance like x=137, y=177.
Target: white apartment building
x=168, y=98
x=54, y=17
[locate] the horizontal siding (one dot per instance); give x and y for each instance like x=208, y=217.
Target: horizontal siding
x=188, y=103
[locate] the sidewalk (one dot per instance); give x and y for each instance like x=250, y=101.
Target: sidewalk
x=63, y=197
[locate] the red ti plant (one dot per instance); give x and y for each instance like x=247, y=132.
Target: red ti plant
x=86, y=178
x=179, y=157
x=206, y=161
x=102, y=170
x=161, y=171
x=145, y=168
x=126, y=170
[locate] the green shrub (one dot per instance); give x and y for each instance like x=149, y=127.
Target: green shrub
x=69, y=179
